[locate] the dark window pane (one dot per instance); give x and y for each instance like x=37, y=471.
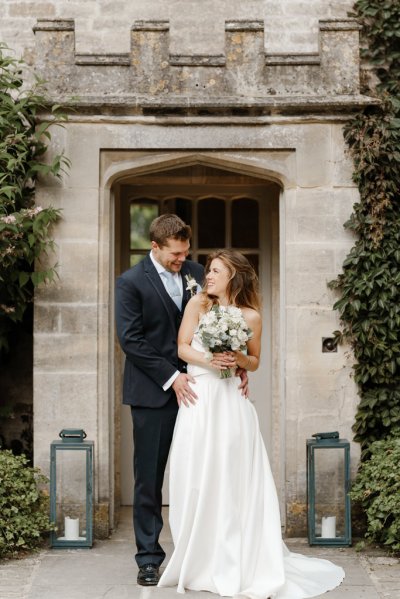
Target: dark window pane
x=142, y=212
x=211, y=223
x=253, y=259
x=202, y=259
x=245, y=223
x=183, y=208
x=136, y=258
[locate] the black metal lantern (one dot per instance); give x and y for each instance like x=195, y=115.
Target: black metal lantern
x=71, y=489
x=328, y=486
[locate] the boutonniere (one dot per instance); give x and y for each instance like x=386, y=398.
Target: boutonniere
x=191, y=285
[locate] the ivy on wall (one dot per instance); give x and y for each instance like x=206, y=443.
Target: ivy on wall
x=24, y=227
x=369, y=286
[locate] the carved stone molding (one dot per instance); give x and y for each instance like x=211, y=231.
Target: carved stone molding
x=149, y=77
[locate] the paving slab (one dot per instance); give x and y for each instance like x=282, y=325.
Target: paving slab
x=108, y=571
x=384, y=572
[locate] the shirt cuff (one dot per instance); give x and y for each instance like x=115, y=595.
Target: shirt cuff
x=169, y=382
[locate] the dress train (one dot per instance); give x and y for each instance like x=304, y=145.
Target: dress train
x=224, y=510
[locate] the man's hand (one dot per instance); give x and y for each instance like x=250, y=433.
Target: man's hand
x=244, y=384
x=184, y=392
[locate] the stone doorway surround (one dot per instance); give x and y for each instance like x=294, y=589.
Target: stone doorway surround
x=289, y=133
x=122, y=168
x=186, y=191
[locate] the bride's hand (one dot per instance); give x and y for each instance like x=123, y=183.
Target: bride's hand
x=224, y=360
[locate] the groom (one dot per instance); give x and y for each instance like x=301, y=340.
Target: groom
x=149, y=303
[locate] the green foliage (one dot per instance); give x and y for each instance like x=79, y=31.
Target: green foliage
x=24, y=227
x=381, y=28
x=141, y=217
x=23, y=507
x=369, y=285
x=377, y=489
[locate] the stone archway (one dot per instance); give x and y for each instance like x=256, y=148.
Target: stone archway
x=163, y=168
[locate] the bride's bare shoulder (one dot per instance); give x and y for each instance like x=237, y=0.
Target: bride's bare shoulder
x=196, y=300
x=252, y=317
x=196, y=303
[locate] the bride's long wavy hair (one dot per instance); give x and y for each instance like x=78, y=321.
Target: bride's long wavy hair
x=243, y=289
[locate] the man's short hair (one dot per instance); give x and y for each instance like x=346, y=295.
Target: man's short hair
x=169, y=226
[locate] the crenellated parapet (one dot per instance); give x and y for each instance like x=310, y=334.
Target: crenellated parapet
x=150, y=76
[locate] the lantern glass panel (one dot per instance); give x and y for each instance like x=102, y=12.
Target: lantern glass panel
x=329, y=492
x=71, y=490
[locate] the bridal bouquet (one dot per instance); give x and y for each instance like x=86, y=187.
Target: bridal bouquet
x=223, y=329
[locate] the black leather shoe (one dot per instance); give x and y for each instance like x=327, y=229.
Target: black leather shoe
x=148, y=575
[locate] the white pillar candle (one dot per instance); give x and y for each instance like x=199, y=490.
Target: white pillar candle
x=71, y=526
x=328, y=528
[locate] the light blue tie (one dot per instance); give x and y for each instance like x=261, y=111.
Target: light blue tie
x=172, y=288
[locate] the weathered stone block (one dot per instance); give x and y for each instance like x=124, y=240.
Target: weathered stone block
x=244, y=49
x=67, y=400
x=310, y=289
x=70, y=287
x=343, y=166
x=83, y=146
x=78, y=319
x=63, y=352
x=68, y=396
x=55, y=52
x=323, y=394
x=309, y=258
x=312, y=325
x=339, y=47
x=26, y=9
x=314, y=156
x=101, y=525
x=319, y=215
x=296, y=519
x=47, y=317
x=150, y=55
x=78, y=257
x=188, y=37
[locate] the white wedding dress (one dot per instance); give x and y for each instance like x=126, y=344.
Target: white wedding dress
x=224, y=511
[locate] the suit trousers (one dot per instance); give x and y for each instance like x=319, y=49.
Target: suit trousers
x=152, y=436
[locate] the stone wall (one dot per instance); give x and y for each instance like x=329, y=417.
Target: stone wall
x=103, y=25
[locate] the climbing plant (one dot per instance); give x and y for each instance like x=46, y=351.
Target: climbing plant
x=24, y=506
x=369, y=285
x=377, y=490
x=24, y=226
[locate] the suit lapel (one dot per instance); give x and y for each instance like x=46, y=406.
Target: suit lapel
x=154, y=278
x=186, y=293
x=185, y=296
x=167, y=301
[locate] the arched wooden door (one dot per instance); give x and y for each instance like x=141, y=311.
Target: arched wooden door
x=225, y=210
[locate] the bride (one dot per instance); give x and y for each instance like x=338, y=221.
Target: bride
x=224, y=511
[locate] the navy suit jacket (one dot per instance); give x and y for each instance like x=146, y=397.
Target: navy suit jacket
x=148, y=321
